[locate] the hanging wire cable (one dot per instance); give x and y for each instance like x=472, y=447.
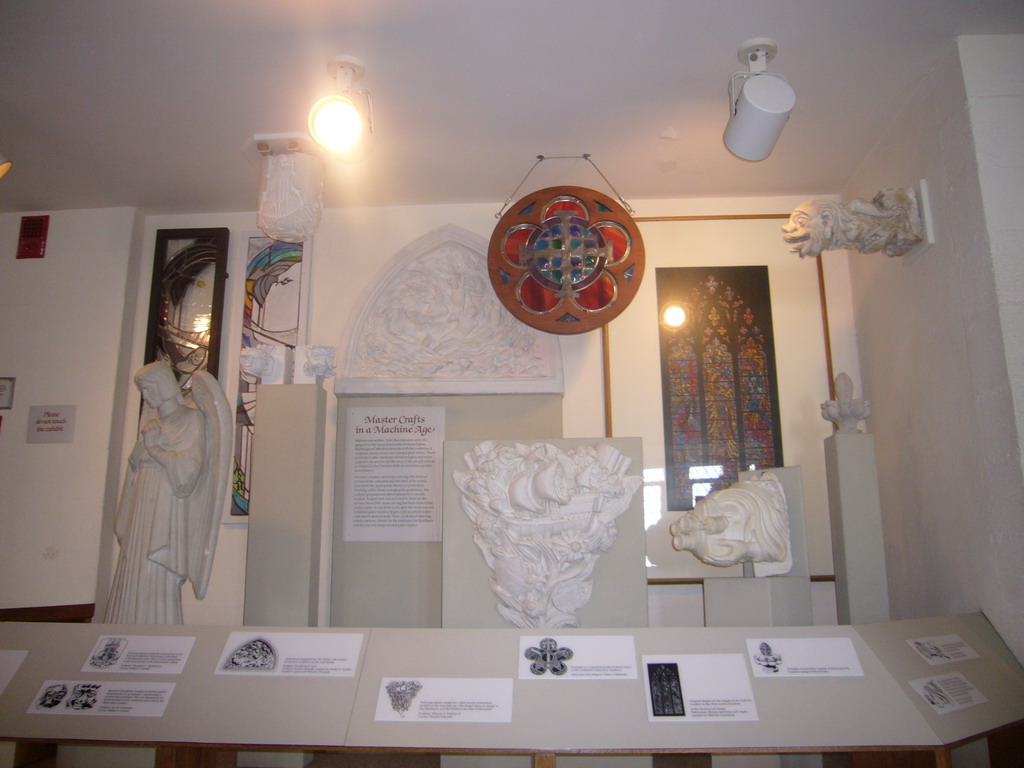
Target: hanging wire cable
x=542, y=158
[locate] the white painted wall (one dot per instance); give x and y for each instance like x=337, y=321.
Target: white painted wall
x=351, y=245
x=936, y=330
x=60, y=336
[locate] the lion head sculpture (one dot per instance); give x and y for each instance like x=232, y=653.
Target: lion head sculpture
x=891, y=223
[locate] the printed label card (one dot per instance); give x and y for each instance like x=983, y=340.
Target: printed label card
x=291, y=654
x=78, y=697
x=9, y=663
x=942, y=649
x=948, y=693
x=577, y=657
x=142, y=654
x=804, y=657
x=445, y=700
x=705, y=687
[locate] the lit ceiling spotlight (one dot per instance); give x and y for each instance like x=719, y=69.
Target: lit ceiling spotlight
x=5, y=166
x=673, y=316
x=761, y=108
x=336, y=122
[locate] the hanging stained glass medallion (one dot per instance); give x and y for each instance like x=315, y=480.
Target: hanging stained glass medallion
x=566, y=259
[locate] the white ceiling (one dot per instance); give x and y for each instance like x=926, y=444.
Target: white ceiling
x=154, y=103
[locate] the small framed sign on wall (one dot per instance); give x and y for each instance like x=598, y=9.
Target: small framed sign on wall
x=6, y=393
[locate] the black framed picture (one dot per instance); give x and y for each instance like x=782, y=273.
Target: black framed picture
x=186, y=303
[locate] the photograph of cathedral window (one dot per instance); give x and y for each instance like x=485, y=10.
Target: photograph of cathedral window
x=719, y=388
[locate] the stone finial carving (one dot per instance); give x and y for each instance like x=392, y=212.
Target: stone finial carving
x=744, y=523
x=432, y=324
x=844, y=411
x=266, y=363
x=542, y=517
x=313, y=363
x=891, y=222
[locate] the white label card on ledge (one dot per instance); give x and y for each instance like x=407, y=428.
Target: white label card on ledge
x=948, y=693
x=9, y=663
x=698, y=687
x=942, y=649
x=291, y=654
x=140, y=654
x=577, y=657
x=445, y=700
x=804, y=657
x=88, y=697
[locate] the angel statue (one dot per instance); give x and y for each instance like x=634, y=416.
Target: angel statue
x=169, y=512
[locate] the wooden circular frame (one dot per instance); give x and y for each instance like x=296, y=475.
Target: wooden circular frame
x=566, y=316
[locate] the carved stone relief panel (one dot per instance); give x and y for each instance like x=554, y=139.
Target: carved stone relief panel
x=431, y=324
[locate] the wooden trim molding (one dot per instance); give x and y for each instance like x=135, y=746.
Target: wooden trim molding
x=81, y=613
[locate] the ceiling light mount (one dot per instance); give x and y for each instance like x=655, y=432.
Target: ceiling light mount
x=346, y=71
x=756, y=53
x=760, y=107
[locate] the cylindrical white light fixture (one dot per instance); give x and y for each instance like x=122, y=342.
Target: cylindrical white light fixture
x=291, y=196
x=758, y=115
x=5, y=166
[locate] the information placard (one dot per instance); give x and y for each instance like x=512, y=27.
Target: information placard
x=445, y=700
x=392, y=477
x=291, y=654
x=89, y=697
x=154, y=654
x=690, y=687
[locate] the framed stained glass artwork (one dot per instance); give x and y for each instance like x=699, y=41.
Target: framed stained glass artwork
x=187, y=300
x=718, y=379
x=566, y=259
x=272, y=314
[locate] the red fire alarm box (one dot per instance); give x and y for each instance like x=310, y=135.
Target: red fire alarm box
x=32, y=238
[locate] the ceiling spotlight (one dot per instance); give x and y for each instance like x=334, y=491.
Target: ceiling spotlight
x=5, y=166
x=337, y=121
x=761, y=108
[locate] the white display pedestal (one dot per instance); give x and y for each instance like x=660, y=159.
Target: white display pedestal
x=620, y=583
x=858, y=551
x=282, y=570
x=283, y=551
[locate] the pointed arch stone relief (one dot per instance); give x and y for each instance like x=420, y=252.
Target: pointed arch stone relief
x=431, y=324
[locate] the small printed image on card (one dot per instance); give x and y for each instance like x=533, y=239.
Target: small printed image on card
x=942, y=649
x=666, y=690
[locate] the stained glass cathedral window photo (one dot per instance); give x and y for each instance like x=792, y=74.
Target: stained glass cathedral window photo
x=719, y=386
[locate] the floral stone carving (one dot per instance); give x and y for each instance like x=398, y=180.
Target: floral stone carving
x=845, y=412
x=542, y=518
x=431, y=324
x=891, y=222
